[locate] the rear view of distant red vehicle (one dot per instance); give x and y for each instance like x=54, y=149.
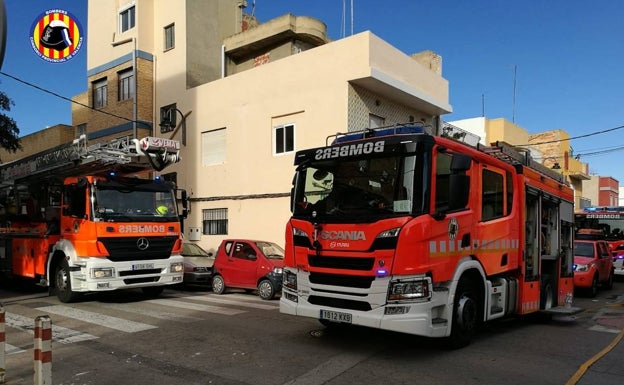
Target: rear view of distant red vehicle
x=249, y=264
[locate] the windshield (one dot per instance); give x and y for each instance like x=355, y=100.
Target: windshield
x=356, y=190
x=146, y=201
x=193, y=250
x=271, y=250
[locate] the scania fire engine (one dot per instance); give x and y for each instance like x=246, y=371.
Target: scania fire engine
x=398, y=229
x=79, y=218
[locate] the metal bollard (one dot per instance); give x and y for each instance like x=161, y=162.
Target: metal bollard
x=43, y=350
x=2, y=344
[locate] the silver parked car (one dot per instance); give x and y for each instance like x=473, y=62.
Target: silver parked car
x=197, y=264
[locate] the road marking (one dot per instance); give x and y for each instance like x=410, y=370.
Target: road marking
x=583, y=368
x=10, y=349
x=59, y=333
x=225, y=301
x=97, y=318
x=330, y=369
x=196, y=306
x=142, y=310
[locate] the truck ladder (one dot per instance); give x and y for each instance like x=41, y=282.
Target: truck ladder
x=76, y=158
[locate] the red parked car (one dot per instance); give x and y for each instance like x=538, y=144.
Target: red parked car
x=248, y=264
x=593, y=265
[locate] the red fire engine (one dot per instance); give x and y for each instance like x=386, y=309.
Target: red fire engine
x=72, y=222
x=397, y=229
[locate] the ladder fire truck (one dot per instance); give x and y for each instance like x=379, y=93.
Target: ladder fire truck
x=79, y=218
x=398, y=229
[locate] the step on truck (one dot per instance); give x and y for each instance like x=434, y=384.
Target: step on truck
x=82, y=218
x=398, y=229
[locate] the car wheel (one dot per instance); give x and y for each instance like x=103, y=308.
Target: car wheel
x=593, y=290
x=152, y=291
x=62, y=283
x=609, y=283
x=266, y=290
x=466, y=315
x=218, y=285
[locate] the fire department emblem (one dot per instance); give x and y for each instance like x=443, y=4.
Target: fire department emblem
x=453, y=228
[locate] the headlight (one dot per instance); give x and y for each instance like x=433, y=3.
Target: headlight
x=289, y=280
x=409, y=290
x=579, y=267
x=392, y=233
x=277, y=270
x=177, y=267
x=102, y=272
x=299, y=233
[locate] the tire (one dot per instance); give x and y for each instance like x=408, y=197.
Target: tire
x=153, y=291
x=609, y=283
x=266, y=290
x=62, y=283
x=218, y=285
x=547, y=296
x=466, y=315
x=593, y=290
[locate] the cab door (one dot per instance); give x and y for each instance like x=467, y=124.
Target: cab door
x=242, y=265
x=604, y=260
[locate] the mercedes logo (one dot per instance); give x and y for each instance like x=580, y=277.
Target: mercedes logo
x=142, y=243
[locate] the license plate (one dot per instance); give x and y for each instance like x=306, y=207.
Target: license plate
x=336, y=316
x=143, y=266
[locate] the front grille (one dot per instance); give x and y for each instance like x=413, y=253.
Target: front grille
x=344, y=263
x=131, y=281
x=341, y=280
x=126, y=248
x=139, y=272
x=339, y=303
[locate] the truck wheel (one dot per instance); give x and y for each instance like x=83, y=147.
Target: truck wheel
x=266, y=290
x=218, y=285
x=62, y=283
x=466, y=315
x=153, y=291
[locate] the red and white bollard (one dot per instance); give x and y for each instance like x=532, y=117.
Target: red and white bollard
x=43, y=350
x=2, y=344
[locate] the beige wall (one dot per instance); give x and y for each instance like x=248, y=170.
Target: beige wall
x=311, y=90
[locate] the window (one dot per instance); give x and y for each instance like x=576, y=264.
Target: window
x=442, y=176
x=100, y=88
x=284, y=138
x=168, y=118
x=213, y=147
x=169, y=37
x=492, y=195
x=215, y=221
x=81, y=129
x=126, y=84
x=126, y=19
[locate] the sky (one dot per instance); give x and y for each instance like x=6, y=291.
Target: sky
x=542, y=64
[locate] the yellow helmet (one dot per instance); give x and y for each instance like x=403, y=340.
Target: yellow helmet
x=162, y=210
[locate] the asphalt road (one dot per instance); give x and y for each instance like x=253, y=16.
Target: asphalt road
x=193, y=336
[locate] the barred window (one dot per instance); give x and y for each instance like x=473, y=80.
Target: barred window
x=215, y=221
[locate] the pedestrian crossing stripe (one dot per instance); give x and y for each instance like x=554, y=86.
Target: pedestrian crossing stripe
x=196, y=306
x=110, y=322
x=225, y=301
x=59, y=334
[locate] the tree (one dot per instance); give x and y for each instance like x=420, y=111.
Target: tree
x=9, y=133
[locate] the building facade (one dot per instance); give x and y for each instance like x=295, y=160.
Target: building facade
x=242, y=97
